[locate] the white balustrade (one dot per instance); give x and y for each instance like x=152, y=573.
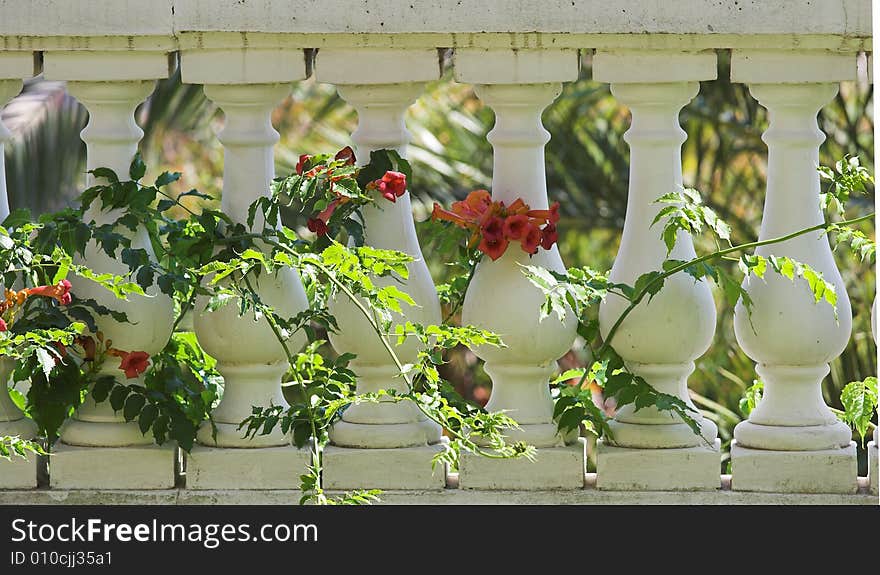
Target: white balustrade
x=374, y=437
x=518, y=86
x=660, y=339
x=249, y=357
x=98, y=447
x=792, y=448
x=792, y=441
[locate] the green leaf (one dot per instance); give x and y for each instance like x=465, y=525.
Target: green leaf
x=147, y=417
x=138, y=168
x=133, y=406
x=166, y=178
x=118, y=396
x=859, y=399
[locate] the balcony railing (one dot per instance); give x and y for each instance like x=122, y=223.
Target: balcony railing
x=791, y=53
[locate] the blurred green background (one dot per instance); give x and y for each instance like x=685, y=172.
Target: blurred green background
x=587, y=172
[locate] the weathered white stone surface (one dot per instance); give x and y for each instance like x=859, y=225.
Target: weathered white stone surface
x=262, y=468
x=505, y=66
x=553, y=468
x=825, y=471
x=86, y=17
x=242, y=66
x=839, y=25
x=399, y=468
x=851, y=17
x=18, y=473
x=16, y=66
x=588, y=495
x=135, y=467
x=682, y=469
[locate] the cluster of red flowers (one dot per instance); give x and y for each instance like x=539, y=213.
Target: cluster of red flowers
x=495, y=225
x=60, y=292
x=391, y=186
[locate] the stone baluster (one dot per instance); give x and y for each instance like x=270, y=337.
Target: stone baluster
x=17, y=473
x=662, y=337
x=374, y=437
x=792, y=441
x=98, y=448
x=249, y=357
x=518, y=86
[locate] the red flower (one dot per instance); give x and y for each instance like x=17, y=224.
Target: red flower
x=494, y=248
x=134, y=363
x=60, y=292
x=392, y=185
x=3, y=326
x=532, y=241
x=346, y=154
x=493, y=229
x=317, y=226
x=549, y=236
x=516, y=227
x=303, y=160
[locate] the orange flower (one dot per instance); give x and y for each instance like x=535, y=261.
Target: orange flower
x=445, y=215
x=532, y=240
x=493, y=229
x=551, y=215
x=549, y=236
x=494, y=248
x=494, y=225
x=391, y=186
x=516, y=226
x=60, y=292
x=134, y=363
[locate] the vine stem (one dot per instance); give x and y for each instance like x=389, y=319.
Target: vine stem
x=316, y=446
x=460, y=301
x=606, y=344
x=397, y=363
x=378, y=331
x=708, y=257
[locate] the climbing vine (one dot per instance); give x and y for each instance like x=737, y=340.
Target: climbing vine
x=208, y=257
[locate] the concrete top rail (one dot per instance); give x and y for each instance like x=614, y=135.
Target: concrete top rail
x=841, y=25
